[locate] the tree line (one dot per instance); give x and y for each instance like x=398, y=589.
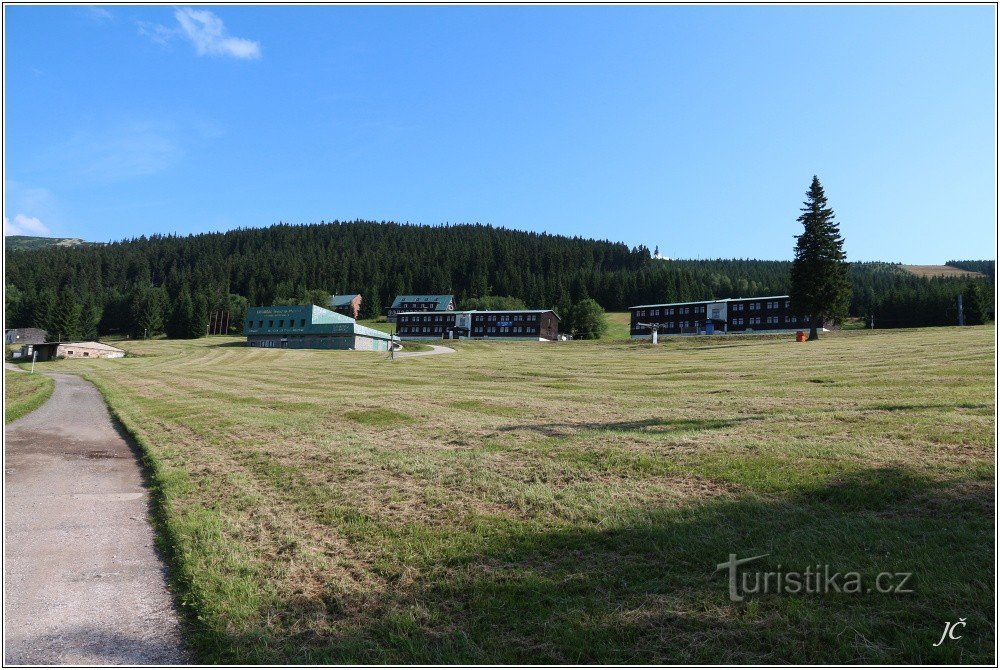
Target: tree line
x=146, y=286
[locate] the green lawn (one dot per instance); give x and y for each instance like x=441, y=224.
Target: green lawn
x=619, y=326
x=23, y=393
x=569, y=502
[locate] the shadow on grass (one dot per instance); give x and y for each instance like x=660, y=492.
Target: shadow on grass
x=653, y=425
x=646, y=589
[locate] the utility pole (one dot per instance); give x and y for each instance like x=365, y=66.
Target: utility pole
x=961, y=311
x=654, y=327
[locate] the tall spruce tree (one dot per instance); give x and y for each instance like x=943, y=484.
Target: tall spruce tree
x=41, y=312
x=975, y=304
x=151, y=312
x=198, y=325
x=90, y=317
x=820, y=285
x=179, y=323
x=66, y=317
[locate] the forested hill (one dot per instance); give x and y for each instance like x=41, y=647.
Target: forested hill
x=120, y=284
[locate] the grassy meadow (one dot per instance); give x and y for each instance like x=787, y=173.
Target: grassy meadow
x=569, y=502
x=23, y=393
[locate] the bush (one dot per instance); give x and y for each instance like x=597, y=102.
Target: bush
x=589, y=320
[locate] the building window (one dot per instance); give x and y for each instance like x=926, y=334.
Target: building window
x=302, y=323
x=281, y=323
x=250, y=323
x=270, y=323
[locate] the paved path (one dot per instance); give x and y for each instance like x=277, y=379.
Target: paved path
x=435, y=349
x=83, y=583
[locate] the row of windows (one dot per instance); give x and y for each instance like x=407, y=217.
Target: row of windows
x=738, y=321
x=427, y=318
x=417, y=305
x=773, y=320
x=281, y=323
x=505, y=317
x=669, y=311
x=700, y=309
x=480, y=330
x=755, y=306
x=420, y=329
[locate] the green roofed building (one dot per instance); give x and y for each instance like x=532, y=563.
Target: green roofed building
x=310, y=327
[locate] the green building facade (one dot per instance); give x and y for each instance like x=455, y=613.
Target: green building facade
x=310, y=327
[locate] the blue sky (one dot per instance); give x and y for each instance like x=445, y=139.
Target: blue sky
x=697, y=129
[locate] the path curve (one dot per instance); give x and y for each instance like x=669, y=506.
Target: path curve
x=83, y=583
x=435, y=349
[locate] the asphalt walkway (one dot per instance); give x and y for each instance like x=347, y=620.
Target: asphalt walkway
x=435, y=349
x=83, y=583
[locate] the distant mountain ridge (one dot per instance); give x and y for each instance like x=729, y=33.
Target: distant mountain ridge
x=28, y=242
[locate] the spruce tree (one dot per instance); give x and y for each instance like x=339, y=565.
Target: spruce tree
x=179, y=324
x=41, y=312
x=90, y=317
x=820, y=285
x=151, y=313
x=198, y=325
x=66, y=317
x=974, y=300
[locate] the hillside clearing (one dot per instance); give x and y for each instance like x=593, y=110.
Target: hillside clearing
x=569, y=502
x=940, y=271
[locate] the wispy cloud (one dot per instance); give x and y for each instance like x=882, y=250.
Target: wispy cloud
x=205, y=31
x=99, y=14
x=133, y=150
x=24, y=225
x=156, y=32
x=112, y=154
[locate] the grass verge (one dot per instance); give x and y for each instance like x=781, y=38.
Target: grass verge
x=24, y=393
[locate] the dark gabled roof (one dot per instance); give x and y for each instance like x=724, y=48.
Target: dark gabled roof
x=442, y=300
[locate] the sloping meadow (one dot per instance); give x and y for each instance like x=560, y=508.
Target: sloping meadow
x=570, y=502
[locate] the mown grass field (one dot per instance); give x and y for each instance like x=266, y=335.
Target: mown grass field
x=569, y=502
x=23, y=393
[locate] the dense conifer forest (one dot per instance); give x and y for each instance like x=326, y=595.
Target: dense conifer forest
x=165, y=283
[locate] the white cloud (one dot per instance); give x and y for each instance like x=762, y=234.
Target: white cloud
x=99, y=14
x=24, y=225
x=208, y=34
x=156, y=32
x=205, y=31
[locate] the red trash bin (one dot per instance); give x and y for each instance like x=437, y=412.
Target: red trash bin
x=800, y=336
